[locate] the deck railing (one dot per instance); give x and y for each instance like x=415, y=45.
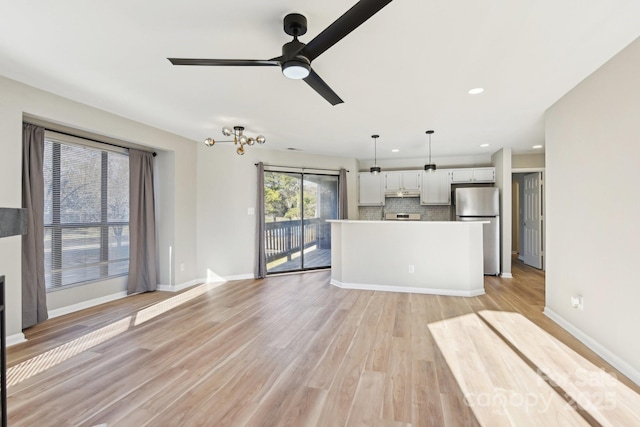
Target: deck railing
x=284, y=238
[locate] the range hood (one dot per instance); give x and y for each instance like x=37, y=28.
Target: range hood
x=402, y=193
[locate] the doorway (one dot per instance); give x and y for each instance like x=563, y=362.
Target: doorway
x=528, y=218
x=297, y=205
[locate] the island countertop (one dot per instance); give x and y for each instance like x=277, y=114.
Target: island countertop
x=433, y=257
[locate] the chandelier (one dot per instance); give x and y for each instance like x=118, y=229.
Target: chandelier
x=238, y=138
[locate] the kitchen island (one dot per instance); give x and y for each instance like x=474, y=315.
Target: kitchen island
x=430, y=257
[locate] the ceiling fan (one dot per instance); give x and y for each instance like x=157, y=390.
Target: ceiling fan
x=296, y=57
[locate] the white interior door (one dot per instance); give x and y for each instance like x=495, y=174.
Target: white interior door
x=532, y=237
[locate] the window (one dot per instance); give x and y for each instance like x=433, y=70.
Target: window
x=86, y=211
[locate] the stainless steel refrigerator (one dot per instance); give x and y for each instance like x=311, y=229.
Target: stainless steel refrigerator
x=483, y=204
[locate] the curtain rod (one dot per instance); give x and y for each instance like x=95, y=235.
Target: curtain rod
x=302, y=168
x=94, y=140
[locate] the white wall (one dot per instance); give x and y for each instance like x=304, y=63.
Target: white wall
x=227, y=188
x=592, y=210
x=502, y=162
x=176, y=157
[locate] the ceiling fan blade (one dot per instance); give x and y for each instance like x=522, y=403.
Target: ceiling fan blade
x=348, y=22
x=225, y=62
x=322, y=88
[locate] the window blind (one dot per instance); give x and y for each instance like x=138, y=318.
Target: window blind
x=86, y=214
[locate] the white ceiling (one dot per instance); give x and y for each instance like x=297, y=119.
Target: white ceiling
x=406, y=70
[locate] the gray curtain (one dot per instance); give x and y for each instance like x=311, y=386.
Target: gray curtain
x=343, y=206
x=34, y=292
x=142, y=224
x=261, y=257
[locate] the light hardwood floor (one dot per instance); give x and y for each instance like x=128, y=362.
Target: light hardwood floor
x=295, y=351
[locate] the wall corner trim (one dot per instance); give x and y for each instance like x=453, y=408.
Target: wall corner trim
x=15, y=339
x=599, y=349
x=506, y=275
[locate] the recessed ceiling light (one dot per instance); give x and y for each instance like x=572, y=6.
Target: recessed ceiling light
x=476, y=91
x=395, y=150
x=537, y=146
x=484, y=145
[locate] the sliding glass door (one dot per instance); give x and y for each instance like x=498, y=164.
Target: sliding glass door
x=297, y=205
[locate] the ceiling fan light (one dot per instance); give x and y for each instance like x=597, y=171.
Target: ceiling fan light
x=261, y=139
x=227, y=131
x=297, y=68
x=240, y=150
x=243, y=140
x=209, y=142
x=251, y=141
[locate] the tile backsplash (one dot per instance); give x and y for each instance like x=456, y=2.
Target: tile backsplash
x=405, y=205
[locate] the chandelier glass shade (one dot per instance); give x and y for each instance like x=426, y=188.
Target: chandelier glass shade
x=239, y=139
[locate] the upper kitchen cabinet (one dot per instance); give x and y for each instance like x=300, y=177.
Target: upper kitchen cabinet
x=436, y=188
x=404, y=182
x=370, y=189
x=474, y=175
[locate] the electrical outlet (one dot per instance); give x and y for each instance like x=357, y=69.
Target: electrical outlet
x=182, y=267
x=577, y=302
x=412, y=268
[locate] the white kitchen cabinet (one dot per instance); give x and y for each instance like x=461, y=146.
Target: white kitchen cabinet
x=402, y=181
x=474, y=175
x=436, y=188
x=370, y=189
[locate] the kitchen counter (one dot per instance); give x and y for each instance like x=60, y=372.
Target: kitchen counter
x=430, y=257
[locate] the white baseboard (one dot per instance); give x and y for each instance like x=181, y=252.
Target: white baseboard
x=506, y=275
x=15, y=339
x=240, y=277
x=632, y=373
x=407, y=289
x=190, y=283
x=85, y=304
x=180, y=286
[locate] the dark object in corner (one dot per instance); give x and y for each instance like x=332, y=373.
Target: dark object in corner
x=13, y=222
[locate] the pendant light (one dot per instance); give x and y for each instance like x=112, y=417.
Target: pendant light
x=375, y=169
x=430, y=167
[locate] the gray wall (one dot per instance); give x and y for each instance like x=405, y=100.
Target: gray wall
x=176, y=160
x=527, y=161
x=592, y=210
x=227, y=189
